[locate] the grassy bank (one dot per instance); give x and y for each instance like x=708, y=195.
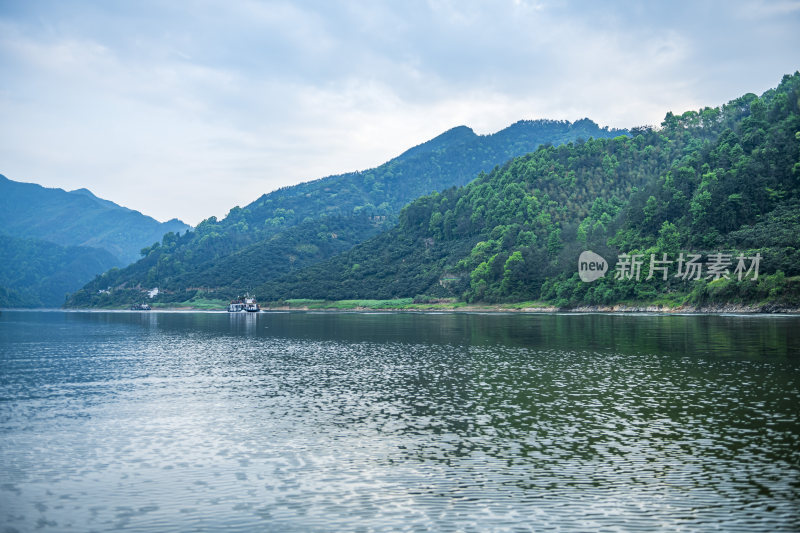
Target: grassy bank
x=202, y=304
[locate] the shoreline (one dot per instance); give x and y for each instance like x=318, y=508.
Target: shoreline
x=460, y=307
x=616, y=309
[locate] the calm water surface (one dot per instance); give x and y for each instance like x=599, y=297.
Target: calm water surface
x=421, y=422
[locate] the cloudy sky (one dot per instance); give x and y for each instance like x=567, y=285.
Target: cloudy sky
x=185, y=109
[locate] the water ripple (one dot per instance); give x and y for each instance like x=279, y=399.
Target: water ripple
x=429, y=423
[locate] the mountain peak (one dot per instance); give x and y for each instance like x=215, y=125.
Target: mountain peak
x=84, y=191
x=451, y=137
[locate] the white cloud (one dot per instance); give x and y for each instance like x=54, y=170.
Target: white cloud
x=187, y=111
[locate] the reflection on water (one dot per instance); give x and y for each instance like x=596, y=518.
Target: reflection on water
x=346, y=421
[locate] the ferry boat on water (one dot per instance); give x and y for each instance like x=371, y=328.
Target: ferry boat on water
x=251, y=306
x=140, y=307
x=247, y=304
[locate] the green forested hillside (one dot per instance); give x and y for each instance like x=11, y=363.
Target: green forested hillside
x=77, y=218
x=39, y=273
x=720, y=180
x=294, y=227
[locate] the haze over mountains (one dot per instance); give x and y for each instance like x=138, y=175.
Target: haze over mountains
x=78, y=218
x=53, y=241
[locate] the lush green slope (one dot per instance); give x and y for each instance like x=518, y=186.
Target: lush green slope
x=529, y=205
x=39, y=273
x=720, y=180
x=293, y=227
x=78, y=218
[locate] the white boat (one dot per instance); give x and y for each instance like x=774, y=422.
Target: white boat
x=244, y=304
x=251, y=306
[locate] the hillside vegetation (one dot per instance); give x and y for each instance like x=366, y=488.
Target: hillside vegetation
x=722, y=180
x=294, y=227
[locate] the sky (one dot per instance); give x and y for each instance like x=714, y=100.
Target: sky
x=187, y=109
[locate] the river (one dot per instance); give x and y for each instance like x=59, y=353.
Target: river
x=170, y=421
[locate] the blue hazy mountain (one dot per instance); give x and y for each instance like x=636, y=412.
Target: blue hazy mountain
x=78, y=218
x=54, y=241
x=36, y=273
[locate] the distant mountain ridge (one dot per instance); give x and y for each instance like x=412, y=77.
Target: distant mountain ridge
x=450, y=159
x=300, y=225
x=78, y=218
